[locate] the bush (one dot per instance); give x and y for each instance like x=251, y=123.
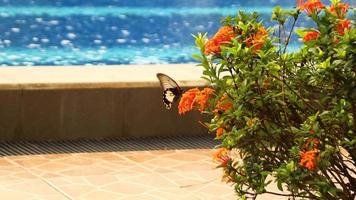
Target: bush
x=284, y=118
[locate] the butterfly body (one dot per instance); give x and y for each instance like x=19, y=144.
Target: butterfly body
x=171, y=90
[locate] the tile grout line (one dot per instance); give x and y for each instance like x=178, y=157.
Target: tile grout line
x=42, y=179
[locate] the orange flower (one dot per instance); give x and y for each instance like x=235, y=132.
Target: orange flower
x=187, y=100
x=202, y=98
x=222, y=156
x=312, y=35
x=257, y=40
x=300, y=4
x=219, y=132
x=342, y=26
x=223, y=36
x=310, y=5
x=223, y=104
x=340, y=9
x=309, y=159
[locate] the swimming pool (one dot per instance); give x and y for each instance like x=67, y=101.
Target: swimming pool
x=100, y=32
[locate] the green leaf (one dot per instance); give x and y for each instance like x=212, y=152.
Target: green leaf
x=300, y=32
x=290, y=166
x=198, y=57
x=279, y=185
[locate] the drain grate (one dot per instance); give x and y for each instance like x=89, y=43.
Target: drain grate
x=78, y=146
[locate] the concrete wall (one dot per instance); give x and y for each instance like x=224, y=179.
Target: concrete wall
x=91, y=113
x=56, y=103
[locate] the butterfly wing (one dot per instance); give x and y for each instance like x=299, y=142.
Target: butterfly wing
x=171, y=90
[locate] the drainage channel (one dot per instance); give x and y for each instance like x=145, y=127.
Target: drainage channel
x=113, y=145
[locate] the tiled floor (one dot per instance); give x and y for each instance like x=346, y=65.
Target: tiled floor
x=142, y=175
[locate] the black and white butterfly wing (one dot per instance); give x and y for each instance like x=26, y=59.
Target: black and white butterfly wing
x=171, y=90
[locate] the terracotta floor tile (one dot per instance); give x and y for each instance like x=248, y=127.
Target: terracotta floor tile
x=4, y=162
x=13, y=195
x=77, y=190
x=53, y=167
x=141, y=175
x=30, y=161
x=186, y=156
x=64, y=181
x=162, y=169
x=195, y=166
x=126, y=188
x=152, y=180
x=107, y=156
x=163, y=162
x=101, y=180
x=141, y=197
x=215, y=189
x=32, y=188
x=141, y=158
x=59, y=156
x=101, y=195
x=77, y=161
x=87, y=171
x=173, y=194
x=162, y=152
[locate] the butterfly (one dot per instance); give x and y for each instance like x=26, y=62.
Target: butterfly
x=171, y=90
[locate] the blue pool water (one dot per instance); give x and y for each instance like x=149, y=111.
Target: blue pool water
x=99, y=32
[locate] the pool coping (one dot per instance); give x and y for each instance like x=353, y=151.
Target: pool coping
x=96, y=77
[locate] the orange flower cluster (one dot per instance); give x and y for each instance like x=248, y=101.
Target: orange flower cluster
x=312, y=35
x=219, y=132
x=310, y=5
x=187, y=100
x=340, y=9
x=309, y=159
x=223, y=104
x=257, y=40
x=192, y=97
x=300, y=4
x=222, y=156
x=223, y=36
x=202, y=98
x=342, y=26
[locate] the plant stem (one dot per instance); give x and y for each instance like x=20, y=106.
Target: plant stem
x=233, y=77
x=290, y=32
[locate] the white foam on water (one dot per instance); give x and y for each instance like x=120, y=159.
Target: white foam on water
x=39, y=19
x=145, y=40
x=15, y=30
x=66, y=43
x=33, y=46
x=53, y=22
x=147, y=60
x=71, y=35
x=125, y=32
x=120, y=40
x=44, y=40
x=97, y=41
